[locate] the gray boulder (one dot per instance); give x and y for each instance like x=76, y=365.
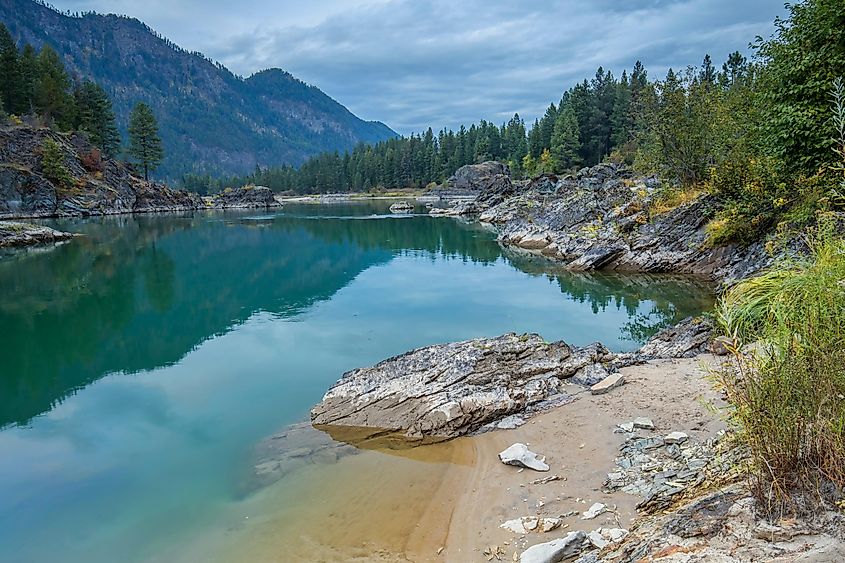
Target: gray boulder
x=448, y=390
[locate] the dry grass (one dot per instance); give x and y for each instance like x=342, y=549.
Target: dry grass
x=788, y=388
x=672, y=198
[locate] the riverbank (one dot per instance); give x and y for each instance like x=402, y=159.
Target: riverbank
x=447, y=501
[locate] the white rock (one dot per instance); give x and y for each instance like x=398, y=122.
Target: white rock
x=627, y=426
x=676, y=438
x=612, y=381
x=614, y=534
x=593, y=511
x=597, y=539
x=555, y=550
x=519, y=454
x=643, y=423
x=521, y=525
x=510, y=422
x=549, y=524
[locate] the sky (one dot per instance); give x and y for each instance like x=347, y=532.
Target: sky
x=415, y=64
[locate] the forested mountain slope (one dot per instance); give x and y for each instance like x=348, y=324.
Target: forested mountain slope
x=211, y=120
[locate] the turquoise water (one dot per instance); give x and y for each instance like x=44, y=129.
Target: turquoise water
x=141, y=363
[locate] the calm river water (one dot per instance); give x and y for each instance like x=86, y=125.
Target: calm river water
x=141, y=363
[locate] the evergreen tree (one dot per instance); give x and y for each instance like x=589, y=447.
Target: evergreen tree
x=53, y=164
x=565, y=139
x=29, y=77
x=52, y=99
x=707, y=75
x=144, y=142
x=11, y=98
x=95, y=116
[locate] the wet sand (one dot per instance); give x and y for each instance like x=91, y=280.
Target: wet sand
x=445, y=502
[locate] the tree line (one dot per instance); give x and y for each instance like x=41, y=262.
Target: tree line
x=36, y=83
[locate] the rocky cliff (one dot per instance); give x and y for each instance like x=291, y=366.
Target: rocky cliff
x=94, y=185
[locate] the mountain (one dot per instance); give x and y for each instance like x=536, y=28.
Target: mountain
x=211, y=121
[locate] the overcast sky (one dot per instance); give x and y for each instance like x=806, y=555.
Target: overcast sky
x=415, y=64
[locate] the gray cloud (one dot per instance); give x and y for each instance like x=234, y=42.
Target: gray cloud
x=416, y=64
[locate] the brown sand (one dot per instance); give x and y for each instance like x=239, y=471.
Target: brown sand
x=445, y=502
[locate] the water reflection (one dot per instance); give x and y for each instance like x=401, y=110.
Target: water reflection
x=137, y=293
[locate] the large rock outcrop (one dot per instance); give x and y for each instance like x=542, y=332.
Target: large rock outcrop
x=98, y=185
x=247, y=197
x=603, y=218
x=448, y=390
x=24, y=234
x=474, y=188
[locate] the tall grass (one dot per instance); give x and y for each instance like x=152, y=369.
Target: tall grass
x=788, y=388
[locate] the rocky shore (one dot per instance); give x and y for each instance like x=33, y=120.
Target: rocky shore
x=95, y=184
x=604, y=217
x=644, y=471
x=14, y=234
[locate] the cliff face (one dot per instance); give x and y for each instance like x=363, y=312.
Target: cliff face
x=97, y=186
x=210, y=120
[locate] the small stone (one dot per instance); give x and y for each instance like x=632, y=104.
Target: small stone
x=549, y=524
x=519, y=454
x=643, y=423
x=676, y=438
x=593, y=511
x=612, y=381
x=597, y=539
x=722, y=345
x=627, y=426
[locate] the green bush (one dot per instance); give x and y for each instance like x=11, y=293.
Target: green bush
x=788, y=390
x=53, y=164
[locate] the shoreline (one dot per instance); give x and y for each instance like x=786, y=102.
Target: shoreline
x=446, y=501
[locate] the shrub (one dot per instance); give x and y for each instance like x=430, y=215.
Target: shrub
x=92, y=160
x=789, y=392
x=53, y=164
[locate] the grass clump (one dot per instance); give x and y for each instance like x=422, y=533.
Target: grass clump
x=788, y=388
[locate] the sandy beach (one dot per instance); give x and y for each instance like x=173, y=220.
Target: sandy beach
x=446, y=502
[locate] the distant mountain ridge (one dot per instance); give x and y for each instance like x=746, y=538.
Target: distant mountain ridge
x=211, y=121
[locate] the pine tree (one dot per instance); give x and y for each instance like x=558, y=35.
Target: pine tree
x=29, y=77
x=11, y=99
x=144, y=142
x=565, y=139
x=95, y=116
x=707, y=75
x=52, y=99
x=53, y=164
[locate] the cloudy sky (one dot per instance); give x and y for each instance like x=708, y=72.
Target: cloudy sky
x=415, y=64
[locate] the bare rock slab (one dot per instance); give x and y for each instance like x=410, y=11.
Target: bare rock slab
x=555, y=550
x=519, y=454
x=607, y=384
x=449, y=390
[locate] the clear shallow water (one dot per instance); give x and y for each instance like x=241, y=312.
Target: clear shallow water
x=140, y=364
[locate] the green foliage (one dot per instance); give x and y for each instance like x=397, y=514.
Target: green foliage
x=805, y=56
x=787, y=391
x=10, y=74
x=94, y=115
x=565, y=142
x=144, y=142
x=52, y=90
x=53, y=164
